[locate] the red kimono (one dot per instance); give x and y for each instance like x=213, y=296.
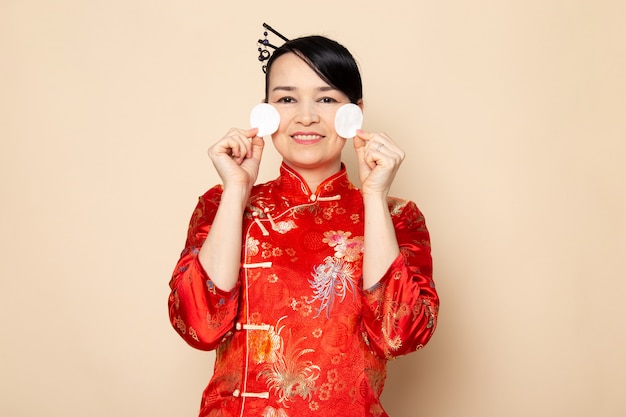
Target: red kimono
x=298, y=336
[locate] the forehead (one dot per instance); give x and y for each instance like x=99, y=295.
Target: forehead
x=289, y=70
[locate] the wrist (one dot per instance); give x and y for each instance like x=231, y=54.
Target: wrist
x=235, y=196
x=374, y=198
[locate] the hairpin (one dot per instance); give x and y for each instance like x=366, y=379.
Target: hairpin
x=264, y=53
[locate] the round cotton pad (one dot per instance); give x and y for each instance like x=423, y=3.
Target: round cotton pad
x=266, y=118
x=348, y=119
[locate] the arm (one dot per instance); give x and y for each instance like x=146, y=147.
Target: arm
x=381, y=245
x=400, y=311
x=400, y=303
x=379, y=159
x=236, y=158
x=199, y=310
x=205, y=287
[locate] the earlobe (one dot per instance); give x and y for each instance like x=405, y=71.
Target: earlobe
x=360, y=103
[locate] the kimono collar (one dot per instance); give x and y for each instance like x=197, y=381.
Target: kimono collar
x=291, y=183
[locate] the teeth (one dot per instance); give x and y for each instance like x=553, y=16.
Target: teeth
x=307, y=137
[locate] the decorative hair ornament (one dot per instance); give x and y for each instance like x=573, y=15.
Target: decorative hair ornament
x=264, y=53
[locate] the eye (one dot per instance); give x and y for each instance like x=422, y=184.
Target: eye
x=328, y=100
x=286, y=99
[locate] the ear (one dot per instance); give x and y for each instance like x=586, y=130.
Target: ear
x=360, y=104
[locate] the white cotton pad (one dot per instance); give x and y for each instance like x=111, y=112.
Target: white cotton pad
x=266, y=118
x=348, y=119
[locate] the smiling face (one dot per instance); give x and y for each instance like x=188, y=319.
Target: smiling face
x=306, y=137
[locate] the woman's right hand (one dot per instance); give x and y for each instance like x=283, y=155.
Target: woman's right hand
x=237, y=157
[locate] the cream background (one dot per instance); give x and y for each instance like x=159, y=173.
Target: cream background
x=512, y=115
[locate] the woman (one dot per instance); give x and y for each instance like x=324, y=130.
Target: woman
x=305, y=285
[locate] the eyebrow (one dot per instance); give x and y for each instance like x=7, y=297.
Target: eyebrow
x=289, y=88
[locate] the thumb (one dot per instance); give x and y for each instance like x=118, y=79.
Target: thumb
x=257, y=147
x=363, y=137
x=250, y=133
x=360, y=140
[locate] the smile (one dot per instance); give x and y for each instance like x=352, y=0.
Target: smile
x=307, y=138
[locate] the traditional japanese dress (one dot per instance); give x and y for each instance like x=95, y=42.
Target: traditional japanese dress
x=298, y=336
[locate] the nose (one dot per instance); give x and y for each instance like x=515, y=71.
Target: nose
x=307, y=113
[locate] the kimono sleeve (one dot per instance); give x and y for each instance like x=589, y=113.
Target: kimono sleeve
x=201, y=313
x=400, y=311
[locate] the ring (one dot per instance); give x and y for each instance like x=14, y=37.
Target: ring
x=380, y=145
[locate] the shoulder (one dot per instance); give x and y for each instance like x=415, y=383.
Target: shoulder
x=404, y=210
x=397, y=205
x=212, y=195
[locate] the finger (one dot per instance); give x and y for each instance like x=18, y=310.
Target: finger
x=234, y=145
x=371, y=141
x=255, y=141
x=363, y=148
x=256, y=147
x=250, y=133
x=363, y=136
x=362, y=139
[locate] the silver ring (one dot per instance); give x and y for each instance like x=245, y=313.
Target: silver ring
x=379, y=147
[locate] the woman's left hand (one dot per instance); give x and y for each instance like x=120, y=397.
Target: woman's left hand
x=379, y=159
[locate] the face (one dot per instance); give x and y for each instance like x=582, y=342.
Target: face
x=306, y=137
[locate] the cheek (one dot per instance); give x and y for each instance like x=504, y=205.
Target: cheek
x=285, y=118
x=328, y=116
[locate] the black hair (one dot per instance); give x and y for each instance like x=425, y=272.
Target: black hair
x=330, y=60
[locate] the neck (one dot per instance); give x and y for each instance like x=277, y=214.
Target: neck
x=315, y=176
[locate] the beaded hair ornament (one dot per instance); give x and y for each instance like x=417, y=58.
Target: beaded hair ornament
x=264, y=53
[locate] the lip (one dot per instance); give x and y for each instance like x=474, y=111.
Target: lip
x=307, y=138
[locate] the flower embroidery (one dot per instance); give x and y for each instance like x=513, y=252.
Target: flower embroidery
x=336, y=238
x=274, y=412
x=265, y=345
x=301, y=306
x=193, y=334
x=396, y=206
x=392, y=312
x=253, y=246
x=283, y=227
x=180, y=325
x=334, y=278
x=340, y=386
x=325, y=391
x=349, y=249
x=332, y=375
x=336, y=360
x=255, y=317
x=290, y=375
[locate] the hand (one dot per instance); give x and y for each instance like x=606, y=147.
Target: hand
x=237, y=157
x=379, y=159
